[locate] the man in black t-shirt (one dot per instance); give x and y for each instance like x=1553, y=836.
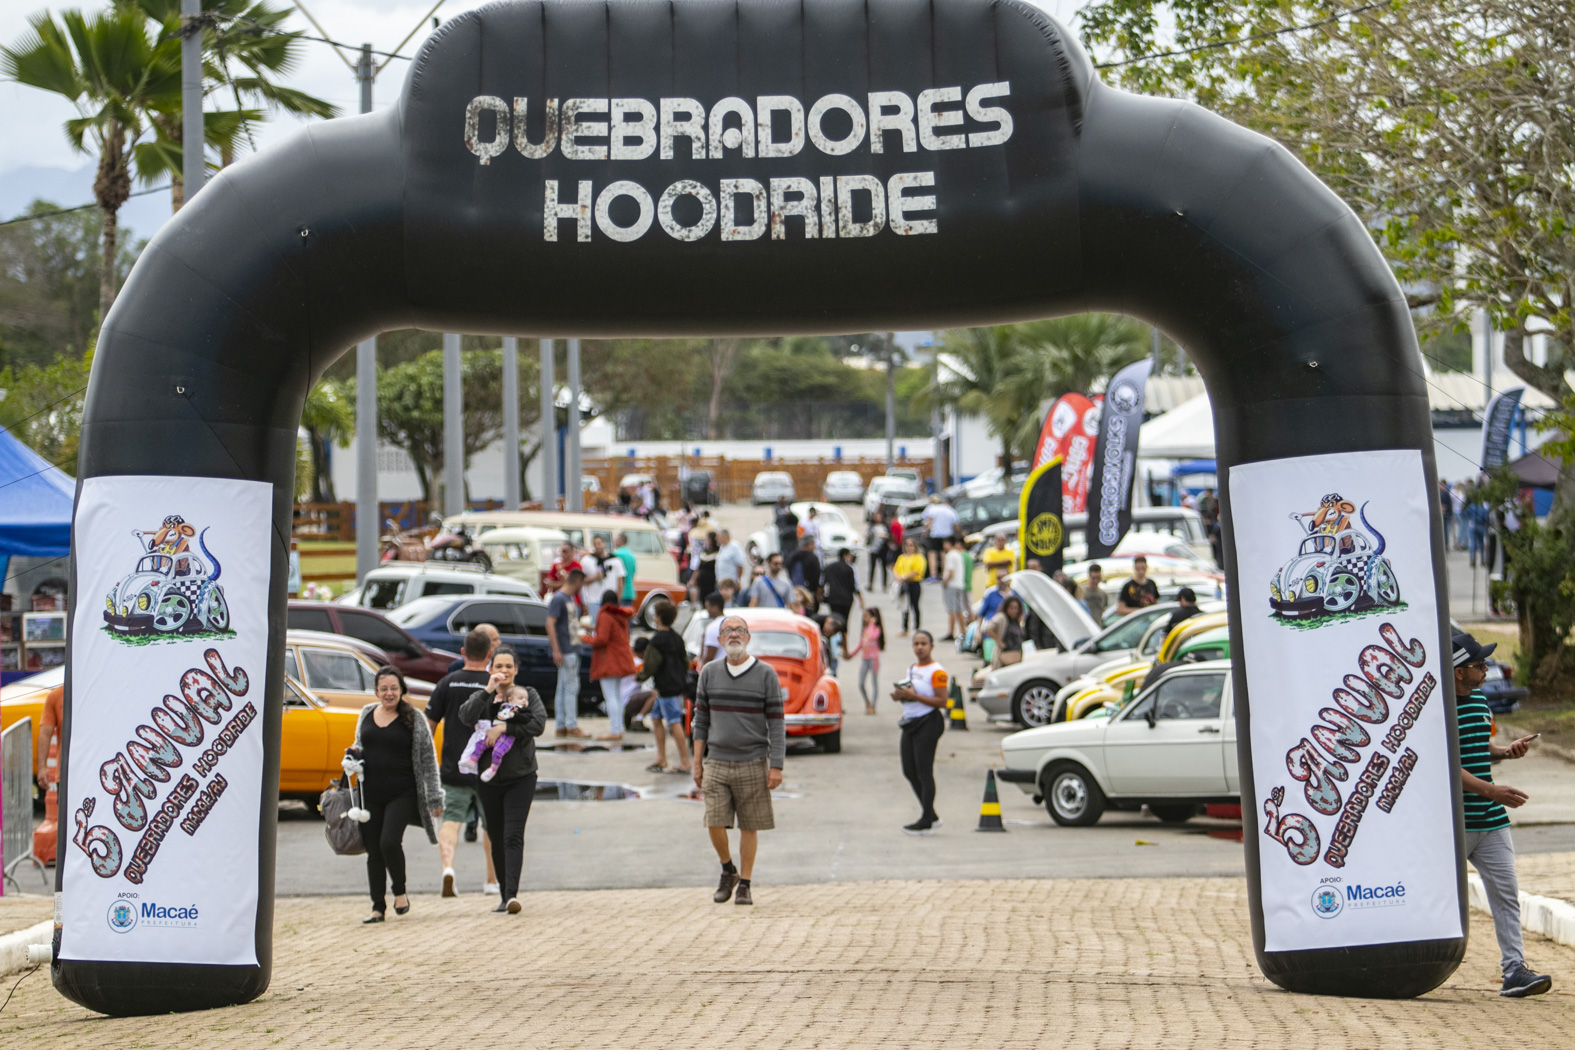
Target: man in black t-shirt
x=804, y=570
x=459, y=789
x=842, y=585
x=1187, y=608
x=787, y=528
x=1139, y=592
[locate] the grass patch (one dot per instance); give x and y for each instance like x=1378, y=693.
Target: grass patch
x=155, y=638
x=1555, y=721
x=1325, y=619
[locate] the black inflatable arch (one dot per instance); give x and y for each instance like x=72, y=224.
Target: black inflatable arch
x=431, y=214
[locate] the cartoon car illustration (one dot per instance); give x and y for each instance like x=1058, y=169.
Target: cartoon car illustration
x=1339, y=567
x=169, y=592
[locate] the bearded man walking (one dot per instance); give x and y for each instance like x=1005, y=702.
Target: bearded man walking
x=740, y=741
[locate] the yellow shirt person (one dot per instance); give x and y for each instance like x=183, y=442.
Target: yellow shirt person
x=910, y=567
x=997, y=560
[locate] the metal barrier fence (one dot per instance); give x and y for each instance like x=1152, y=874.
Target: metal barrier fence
x=16, y=800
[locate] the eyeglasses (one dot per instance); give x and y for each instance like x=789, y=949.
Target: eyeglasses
x=1476, y=665
x=733, y=631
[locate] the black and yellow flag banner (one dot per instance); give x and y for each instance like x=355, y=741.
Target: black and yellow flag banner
x=1041, y=535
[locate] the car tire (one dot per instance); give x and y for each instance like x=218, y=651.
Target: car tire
x=1174, y=813
x=1072, y=797
x=830, y=743
x=1034, y=702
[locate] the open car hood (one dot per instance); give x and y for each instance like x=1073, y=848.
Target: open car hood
x=1059, y=611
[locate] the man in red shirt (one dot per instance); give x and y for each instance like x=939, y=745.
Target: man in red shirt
x=553, y=578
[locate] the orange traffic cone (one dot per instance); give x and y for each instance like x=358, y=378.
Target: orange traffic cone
x=990, y=808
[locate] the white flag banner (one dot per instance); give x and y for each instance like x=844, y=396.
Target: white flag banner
x=1349, y=742
x=168, y=650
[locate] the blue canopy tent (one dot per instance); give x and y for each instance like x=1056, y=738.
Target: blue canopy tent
x=35, y=505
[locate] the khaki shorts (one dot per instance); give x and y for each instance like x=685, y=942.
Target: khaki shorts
x=737, y=788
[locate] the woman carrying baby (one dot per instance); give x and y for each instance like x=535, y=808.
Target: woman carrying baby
x=507, y=794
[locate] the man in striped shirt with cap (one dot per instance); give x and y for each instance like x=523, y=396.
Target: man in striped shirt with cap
x=1488, y=845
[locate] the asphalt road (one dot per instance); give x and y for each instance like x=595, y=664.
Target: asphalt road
x=839, y=817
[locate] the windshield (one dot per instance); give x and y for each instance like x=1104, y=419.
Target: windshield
x=383, y=594
x=1126, y=634
x=790, y=644
x=154, y=563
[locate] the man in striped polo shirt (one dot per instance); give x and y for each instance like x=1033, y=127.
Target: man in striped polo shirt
x=1488, y=845
x=740, y=741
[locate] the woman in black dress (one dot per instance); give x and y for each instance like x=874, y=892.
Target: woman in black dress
x=506, y=797
x=704, y=580
x=399, y=783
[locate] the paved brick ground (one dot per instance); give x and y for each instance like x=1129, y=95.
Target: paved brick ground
x=999, y=965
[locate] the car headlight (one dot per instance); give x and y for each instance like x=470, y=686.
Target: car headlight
x=109, y=602
x=1274, y=589
x=1312, y=585
x=143, y=601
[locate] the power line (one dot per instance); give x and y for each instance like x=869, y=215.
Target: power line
x=46, y=408
x=79, y=207
x=1245, y=39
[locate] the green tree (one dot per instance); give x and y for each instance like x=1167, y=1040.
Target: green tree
x=42, y=406
x=328, y=418
x=117, y=74
x=979, y=366
x=49, y=273
x=1446, y=126
x=1065, y=355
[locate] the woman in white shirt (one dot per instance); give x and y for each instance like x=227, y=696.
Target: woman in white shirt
x=922, y=695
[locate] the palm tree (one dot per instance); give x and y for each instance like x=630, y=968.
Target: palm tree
x=244, y=51
x=117, y=75
x=979, y=365
x=328, y=417
x=1067, y=355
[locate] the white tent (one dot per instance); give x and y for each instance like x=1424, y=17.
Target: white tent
x=1185, y=432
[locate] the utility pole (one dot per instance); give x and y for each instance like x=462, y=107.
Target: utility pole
x=1154, y=349
x=194, y=167
x=549, y=430
x=511, y=423
x=891, y=400
x=453, y=428
x=368, y=516
x=571, y=468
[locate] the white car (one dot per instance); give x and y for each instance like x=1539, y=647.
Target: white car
x=1026, y=692
x=771, y=485
x=1172, y=748
x=888, y=489
x=392, y=585
x=836, y=532
x=842, y=486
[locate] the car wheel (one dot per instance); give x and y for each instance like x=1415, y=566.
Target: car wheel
x=1072, y=797
x=217, y=613
x=1342, y=592
x=1385, y=585
x=1034, y=703
x=172, y=613
x=830, y=743
x=1174, y=813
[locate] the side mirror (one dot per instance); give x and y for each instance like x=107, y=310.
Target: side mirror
x=1149, y=717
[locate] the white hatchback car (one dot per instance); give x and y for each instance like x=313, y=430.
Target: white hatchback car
x=836, y=532
x=1171, y=748
x=771, y=485
x=843, y=486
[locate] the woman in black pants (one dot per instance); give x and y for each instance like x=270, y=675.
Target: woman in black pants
x=876, y=541
x=399, y=785
x=506, y=796
x=922, y=695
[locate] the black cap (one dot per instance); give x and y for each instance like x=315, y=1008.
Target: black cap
x=1468, y=650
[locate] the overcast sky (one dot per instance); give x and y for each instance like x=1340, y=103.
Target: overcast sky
x=37, y=161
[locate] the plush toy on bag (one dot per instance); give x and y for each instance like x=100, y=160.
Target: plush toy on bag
x=344, y=808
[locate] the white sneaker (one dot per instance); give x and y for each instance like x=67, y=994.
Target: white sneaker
x=491, y=888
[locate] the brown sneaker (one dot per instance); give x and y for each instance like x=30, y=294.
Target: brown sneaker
x=724, y=889
x=743, y=896
x=576, y=732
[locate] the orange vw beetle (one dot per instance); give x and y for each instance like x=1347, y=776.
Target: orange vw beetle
x=792, y=646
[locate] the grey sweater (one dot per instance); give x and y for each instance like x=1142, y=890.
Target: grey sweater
x=740, y=719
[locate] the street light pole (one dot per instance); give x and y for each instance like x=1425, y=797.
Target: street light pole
x=891, y=400
x=453, y=428
x=511, y=422
x=571, y=468
x=194, y=167
x=548, y=453
x=368, y=517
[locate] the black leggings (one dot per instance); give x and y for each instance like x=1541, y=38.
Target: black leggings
x=911, y=591
x=919, y=740
x=383, y=835
x=878, y=561
x=506, y=810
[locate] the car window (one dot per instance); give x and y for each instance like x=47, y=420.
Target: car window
x=383, y=594
x=1204, y=653
x=376, y=630
x=790, y=644
x=576, y=537
x=642, y=542
x=333, y=670
x=1155, y=638
x=535, y=619
x=433, y=587
x=293, y=697
x=1189, y=696
x=309, y=620
x=502, y=615
x=1125, y=635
